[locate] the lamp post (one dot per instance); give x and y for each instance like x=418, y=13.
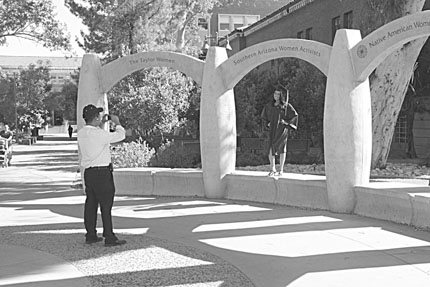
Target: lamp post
x=225, y=43
x=214, y=41
x=14, y=102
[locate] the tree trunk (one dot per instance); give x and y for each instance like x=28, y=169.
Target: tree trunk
x=388, y=86
x=410, y=116
x=180, y=38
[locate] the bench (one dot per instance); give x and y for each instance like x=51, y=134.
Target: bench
x=26, y=141
x=5, y=152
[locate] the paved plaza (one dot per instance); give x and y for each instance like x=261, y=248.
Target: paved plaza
x=188, y=241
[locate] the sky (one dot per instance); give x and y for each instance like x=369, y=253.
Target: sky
x=20, y=47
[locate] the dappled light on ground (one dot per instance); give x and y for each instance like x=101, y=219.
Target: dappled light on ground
x=311, y=243
x=263, y=223
x=38, y=275
x=187, y=208
x=397, y=276
x=16, y=216
x=192, y=242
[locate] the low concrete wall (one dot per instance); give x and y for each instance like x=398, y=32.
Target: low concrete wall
x=298, y=190
x=158, y=181
x=421, y=208
x=398, y=202
x=383, y=200
x=306, y=191
x=178, y=182
x=394, y=201
x=134, y=181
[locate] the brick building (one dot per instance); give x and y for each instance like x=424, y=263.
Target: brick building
x=297, y=20
x=225, y=19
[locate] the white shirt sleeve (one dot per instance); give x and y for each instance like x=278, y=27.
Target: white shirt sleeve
x=107, y=137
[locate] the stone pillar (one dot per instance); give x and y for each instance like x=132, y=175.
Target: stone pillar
x=347, y=126
x=90, y=88
x=89, y=91
x=217, y=126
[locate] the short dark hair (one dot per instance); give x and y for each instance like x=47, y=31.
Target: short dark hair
x=90, y=112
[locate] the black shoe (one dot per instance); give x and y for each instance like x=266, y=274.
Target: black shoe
x=115, y=243
x=93, y=240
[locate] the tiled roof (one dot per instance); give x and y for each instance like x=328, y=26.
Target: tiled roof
x=14, y=62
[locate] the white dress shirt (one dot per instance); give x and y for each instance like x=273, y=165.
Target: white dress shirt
x=94, y=145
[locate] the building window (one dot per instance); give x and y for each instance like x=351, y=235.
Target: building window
x=228, y=22
x=347, y=20
x=237, y=25
x=203, y=23
x=335, y=25
x=309, y=33
x=300, y=35
x=400, y=131
x=224, y=26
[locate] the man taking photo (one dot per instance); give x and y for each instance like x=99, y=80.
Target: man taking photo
x=94, y=145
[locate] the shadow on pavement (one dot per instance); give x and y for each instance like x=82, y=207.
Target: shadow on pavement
x=174, y=241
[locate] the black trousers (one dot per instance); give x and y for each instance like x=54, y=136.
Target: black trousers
x=100, y=190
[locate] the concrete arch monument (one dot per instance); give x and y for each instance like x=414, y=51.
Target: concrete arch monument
x=217, y=75
x=347, y=111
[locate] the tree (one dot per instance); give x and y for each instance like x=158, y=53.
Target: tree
x=54, y=101
x=31, y=93
x=7, y=101
x=70, y=92
x=184, y=17
x=306, y=85
x=32, y=20
x=417, y=96
x=151, y=101
x=389, y=82
x=307, y=89
x=118, y=28
x=251, y=94
x=115, y=28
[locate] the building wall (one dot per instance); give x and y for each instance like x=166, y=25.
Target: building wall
x=301, y=19
x=252, y=7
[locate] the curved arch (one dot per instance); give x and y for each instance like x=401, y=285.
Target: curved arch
x=236, y=67
x=374, y=48
x=114, y=71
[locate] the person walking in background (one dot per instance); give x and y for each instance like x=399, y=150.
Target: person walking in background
x=46, y=128
x=70, y=130
x=279, y=116
x=5, y=145
x=5, y=132
x=94, y=149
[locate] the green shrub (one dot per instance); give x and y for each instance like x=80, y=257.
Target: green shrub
x=175, y=155
x=132, y=154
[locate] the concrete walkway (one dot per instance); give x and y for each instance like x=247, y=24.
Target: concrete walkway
x=188, y=241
